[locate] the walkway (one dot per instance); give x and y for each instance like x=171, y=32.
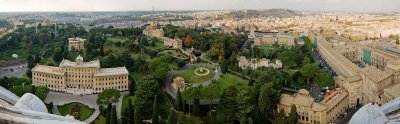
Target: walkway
x=119, y=106
x=55, y=110
x=95, y=114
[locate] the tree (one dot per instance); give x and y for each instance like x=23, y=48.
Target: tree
x=184, y=107
x=181, y=63
x=5, y=83
x=227, y=107
x=138, y=116
x=145, y=92
x=109, y=61
x=58, y=56
x=172, y=117
x=292, y=118
x=288, y=57
x=324, y=79
x=130, y=111
x=20, y=90
x=143, y=41
x=154, y=117
x=126, y=60
x=41, y=92
x=268, y=98
x=30, y=61
x=178, y=101
x=132, y=87
x=278, y=119
x=29, y=73
x=224, y=67
x=309, y=71
x=196, y=107
x=188, y=41
x=113, y=119
x=108, y=96
x=37, y=58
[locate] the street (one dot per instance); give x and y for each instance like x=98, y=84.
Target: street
x=13, y=71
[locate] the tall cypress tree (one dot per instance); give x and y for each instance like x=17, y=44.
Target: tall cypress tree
x=196, y=107
x=138, y=116
x=178, y=101
x=184, y=107
x=154, y=117
x=132, y=87
x=292, y=118
x=113, y=118
x=172, y=118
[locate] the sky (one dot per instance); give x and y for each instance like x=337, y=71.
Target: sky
x=132, y=5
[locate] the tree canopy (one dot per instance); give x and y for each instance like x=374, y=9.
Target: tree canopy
x=108, y=96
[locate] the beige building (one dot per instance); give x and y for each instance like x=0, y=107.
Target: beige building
x=266, y=39
x=76, y=44
x=375, y=82
x=256, y=63
x=173, y=43
x=80, y=77
x=336, y=102
x=308, y=110
x=311, y=112
x=179, y=83
x=153, y=30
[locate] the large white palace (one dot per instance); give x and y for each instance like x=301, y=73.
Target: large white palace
x=80, y=77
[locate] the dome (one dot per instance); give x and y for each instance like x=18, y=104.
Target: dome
x=79, y=58
x=369, y=114
x=31, y=102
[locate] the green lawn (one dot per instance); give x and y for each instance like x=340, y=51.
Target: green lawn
x=266, y=47
x=158, y=45
x=116, y=39
x=125, y=102
x=85, y=112
x=230, y=80
x=191, y=77
x=100, y=120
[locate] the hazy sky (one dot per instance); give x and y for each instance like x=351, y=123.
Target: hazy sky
x=127, y=5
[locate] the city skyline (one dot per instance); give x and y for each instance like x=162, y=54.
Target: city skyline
x=140, y=5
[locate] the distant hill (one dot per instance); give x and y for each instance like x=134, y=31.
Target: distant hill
x=263, y=13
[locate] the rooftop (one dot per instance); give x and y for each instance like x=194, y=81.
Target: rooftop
x=93, y=64
x=303, y=100
x=76, y=39
x=393, y=91
x=112, y=71
x=375, y=74
x=48, y=70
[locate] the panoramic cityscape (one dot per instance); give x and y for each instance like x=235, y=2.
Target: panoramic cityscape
x=199, y=62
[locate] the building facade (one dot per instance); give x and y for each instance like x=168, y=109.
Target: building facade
x=76, y=44
x=267, y=39
x=80, y=77
x=329, y=109
x=309, y=112
x=256, y=63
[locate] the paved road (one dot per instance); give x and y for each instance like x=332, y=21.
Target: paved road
x=18, y=71
x=62, y=98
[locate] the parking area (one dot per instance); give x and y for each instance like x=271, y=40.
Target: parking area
x=13, y=71
x=323, y=64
